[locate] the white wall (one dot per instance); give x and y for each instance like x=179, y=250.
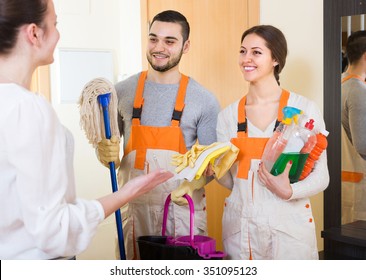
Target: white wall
x=302, y=23
x=99, y=25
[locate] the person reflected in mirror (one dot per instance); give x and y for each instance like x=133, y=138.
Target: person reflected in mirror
x=350, y=39
x=161, y=112
x=266, y=217
x=353, y=112
x=41, y=217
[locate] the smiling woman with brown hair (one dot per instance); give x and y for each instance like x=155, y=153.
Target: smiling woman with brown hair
x=266, y=216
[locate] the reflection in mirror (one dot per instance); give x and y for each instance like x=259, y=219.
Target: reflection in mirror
x=350, y=24
x=353, y=119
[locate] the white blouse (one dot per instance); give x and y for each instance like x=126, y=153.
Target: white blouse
x=40, y=217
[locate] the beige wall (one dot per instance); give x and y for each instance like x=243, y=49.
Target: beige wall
x=302, y=23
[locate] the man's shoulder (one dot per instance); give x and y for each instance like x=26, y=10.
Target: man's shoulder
x=196, y=87
x=127, y=87
x=127, y=82
x=194, y=83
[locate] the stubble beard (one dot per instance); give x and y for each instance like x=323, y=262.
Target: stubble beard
x=166, y=67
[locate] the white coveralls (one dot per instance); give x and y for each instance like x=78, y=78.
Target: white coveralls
x=256, y=223
x=156, y=145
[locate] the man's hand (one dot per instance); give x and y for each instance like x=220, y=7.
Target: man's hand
x=108, y=151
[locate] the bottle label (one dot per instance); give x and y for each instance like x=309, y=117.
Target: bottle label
x=298, y=162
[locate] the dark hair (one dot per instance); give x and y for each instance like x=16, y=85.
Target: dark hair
x=355, y=49
x=355, y=35
x=14, y=14
x=176, y=17
x=275, y=41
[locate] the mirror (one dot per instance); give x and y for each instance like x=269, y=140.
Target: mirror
x=341, y=241
x=353, y=191
x=350, y=24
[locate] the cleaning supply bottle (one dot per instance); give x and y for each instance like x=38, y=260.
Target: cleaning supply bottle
x=277, y=143
x=321, y=145
x=300, y=143
x=309, y=137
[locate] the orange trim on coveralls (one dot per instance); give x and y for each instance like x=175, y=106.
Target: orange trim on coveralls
x=150, y=137
x=352, y=76
x=352, y=177
x=252, y=147
x=179, y=104
x=250, y=248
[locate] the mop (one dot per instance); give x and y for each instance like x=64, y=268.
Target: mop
x=98, y=116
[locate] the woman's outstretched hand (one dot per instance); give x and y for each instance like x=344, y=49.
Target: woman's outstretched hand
x=144, y=183
x=132, y=189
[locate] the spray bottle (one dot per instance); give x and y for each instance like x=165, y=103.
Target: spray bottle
x=301, y=142
x=277, y=143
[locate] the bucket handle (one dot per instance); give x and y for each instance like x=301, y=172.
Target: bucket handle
x=191, y=216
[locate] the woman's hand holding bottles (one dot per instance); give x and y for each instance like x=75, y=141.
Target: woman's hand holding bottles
x=280, y=184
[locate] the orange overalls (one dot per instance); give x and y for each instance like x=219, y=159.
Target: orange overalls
x=256, y=223
x=150, y=147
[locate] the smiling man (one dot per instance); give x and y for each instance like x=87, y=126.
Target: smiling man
x=161, y=112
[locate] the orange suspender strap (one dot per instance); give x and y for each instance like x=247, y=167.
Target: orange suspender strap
x=283, y=103
x=352, y=177
x=352, y=76
x=179, y=103
x=139, y=100
x=242, y=122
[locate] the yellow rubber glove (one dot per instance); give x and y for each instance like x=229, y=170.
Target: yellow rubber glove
x=108, y=151
x=186, y=188
x=225, y=162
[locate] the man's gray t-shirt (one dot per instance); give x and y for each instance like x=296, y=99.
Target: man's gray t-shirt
x=199, y=114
